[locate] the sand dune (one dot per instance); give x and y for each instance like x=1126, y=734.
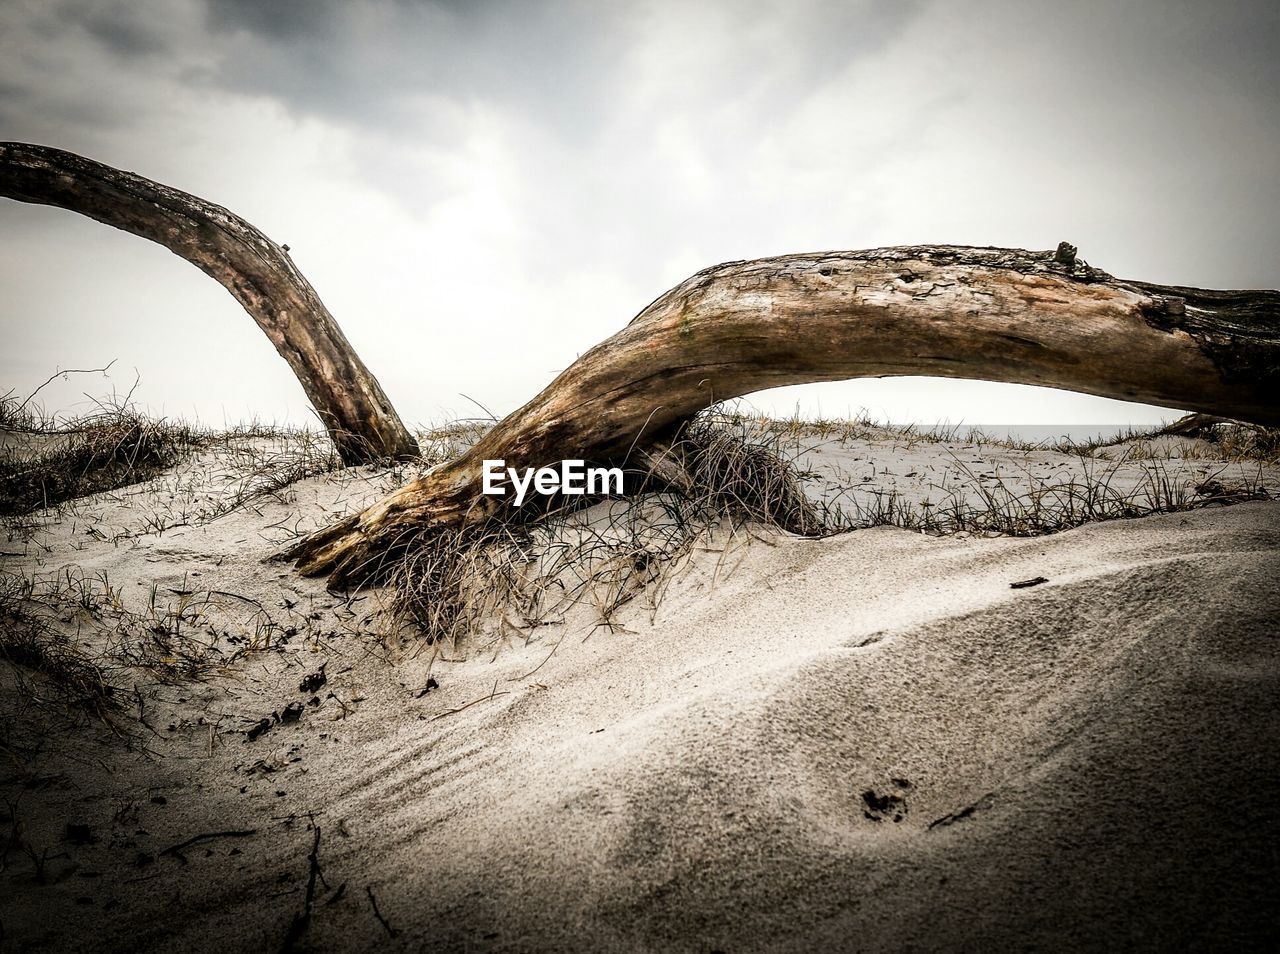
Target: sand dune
x=868, y=742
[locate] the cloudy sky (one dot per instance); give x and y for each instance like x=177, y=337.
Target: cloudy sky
x=481, y=191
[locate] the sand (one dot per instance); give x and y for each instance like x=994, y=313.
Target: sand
x=866, y=742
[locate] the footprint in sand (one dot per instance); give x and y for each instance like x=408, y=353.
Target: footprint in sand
x=889, y=806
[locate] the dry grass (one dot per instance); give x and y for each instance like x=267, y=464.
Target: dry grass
x=727, y=474
x=112, y=447
x=73, y=632
x=1232, y=441
x=737, y=477
x=34, y=645
x=444, y=441
x=241, y=470
x=1033, y=507
x=524, y=569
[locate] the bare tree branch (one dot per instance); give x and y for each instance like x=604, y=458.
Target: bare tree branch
x=257, y=271
x=1042, y=318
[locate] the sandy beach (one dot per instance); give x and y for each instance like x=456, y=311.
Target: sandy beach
x=700, y=477
x=872, y=741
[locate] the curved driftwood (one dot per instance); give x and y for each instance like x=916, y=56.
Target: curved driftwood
x=257, y=271
x=1041, y=318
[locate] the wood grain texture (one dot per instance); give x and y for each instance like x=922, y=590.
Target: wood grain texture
x=257, y=271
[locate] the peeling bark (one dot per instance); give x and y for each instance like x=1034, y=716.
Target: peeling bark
x=1042, y=318
x=257, y=271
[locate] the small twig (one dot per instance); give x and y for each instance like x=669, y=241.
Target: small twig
x=302, y=919
x=62, y=374
x=137, y=693
x=337, y=895
x=176, y=850
x=492, y=416
x=1023, y=584
x=492, y=695
x=391, y=932
x=541, y=664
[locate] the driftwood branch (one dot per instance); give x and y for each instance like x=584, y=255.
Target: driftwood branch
x=1042, y=318
x=257, y=271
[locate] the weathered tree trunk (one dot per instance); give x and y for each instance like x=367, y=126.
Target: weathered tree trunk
x=1041, y=318
x=257, y=271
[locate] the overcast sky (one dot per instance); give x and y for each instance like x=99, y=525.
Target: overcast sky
x=482, y=191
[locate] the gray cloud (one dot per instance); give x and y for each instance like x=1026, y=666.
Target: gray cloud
x=119, y=26
x=389, y=64
x=563, y=65
x=541, y=169
x=280, y=20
